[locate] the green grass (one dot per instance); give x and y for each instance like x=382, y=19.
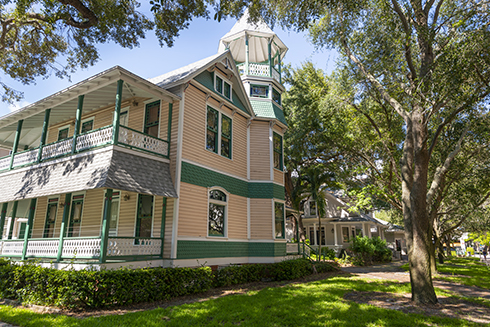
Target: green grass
x=465, y=271
x=317, y=303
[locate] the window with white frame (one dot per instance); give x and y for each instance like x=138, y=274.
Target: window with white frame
x=218, y=202
x=114, y=219
x=51, y=213
x=218, y=132
x=222, y=86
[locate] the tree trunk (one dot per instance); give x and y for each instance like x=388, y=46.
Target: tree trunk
x=302, y=236
x=320, y=236
x=440, y=253
x=433, y=266
x=420, y=258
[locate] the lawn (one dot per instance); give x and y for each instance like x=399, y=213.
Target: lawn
x=466, y=271
x=318, y=303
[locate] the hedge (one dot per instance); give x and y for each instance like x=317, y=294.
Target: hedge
x=82, y=289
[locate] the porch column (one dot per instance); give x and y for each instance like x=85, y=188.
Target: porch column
x=117, y=112
x=16, y=142
x=64, y=224
x=314, y=235
x=27, y=234
x=279, y=67
x=269, y=53
x=335, y=234
x=104, y=238
x=12, y=220
x=78, y=119
x=162, y=227
x=2, y=218
x=246, y=55
x=364, y=230
x=297, y=233
x=169, y=125
x=47, y=113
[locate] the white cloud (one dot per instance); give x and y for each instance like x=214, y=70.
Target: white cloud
x=18, y=105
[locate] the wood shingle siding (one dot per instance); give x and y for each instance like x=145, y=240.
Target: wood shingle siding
x=261, y=218
x=259, y=151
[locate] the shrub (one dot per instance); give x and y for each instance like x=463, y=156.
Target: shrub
x=368, y=250
x=329, y=254
x=322, y=267
x=470, y=251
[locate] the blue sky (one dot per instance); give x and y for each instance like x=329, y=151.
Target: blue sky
x=199, y=41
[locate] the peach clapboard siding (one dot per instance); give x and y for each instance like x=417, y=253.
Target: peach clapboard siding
x=260, y=218
x=259, y=151
x=173, y=140
x=278, y=176
x=194, y=143
x=168, y=228
x=237, y=217
x=193, y=211
x=39, y=217
x=93, y=204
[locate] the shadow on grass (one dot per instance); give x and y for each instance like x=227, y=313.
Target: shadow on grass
x=318, y=303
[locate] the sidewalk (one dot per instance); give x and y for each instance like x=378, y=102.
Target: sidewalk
x=393, y=270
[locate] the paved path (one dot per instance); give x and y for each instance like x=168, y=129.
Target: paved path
x=393, y=270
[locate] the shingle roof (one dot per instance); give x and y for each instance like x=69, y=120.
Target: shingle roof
x=267, y=109
x=101, y=168
x=183, y=72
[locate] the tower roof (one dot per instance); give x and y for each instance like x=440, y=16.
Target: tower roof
x=259, y=35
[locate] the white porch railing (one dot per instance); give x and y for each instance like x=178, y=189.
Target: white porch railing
x=25, y=158
x=81, y=248
x=42, y=248
x=13, y=248
x=57, y=149
x=118, y=247
x=275, y=74
x=258, y=69
x=142, y=141
x=94, y=138
x=5, y=163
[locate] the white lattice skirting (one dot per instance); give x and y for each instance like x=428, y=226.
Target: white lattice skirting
x=127, y=247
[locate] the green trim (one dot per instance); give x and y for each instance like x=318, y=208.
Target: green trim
x=154, y=123
x=277, y=150
x=169, y=126
x=217, y=249
x=2, y=218
x=46, y=221
x=200, y=176
x=104, y=238
x=28, y=231
x=16, y=142
x=78, y=119
x=139, y=217
x=64, y=224
x=13, y=214
x=79, y=222
x=117, y=112
x=44, y=133
x=162, y=225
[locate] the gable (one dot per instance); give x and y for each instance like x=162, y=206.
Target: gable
x=206, y=78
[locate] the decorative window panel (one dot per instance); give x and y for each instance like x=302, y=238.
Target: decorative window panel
x=217, y=213
x=279, y=219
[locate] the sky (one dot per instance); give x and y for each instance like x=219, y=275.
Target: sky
x=199, y=41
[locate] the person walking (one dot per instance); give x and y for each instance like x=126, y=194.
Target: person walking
x=485, y=251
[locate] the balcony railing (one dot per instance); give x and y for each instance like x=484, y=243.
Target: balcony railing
x=74, y=248
x=256, y=69
x=93, y=139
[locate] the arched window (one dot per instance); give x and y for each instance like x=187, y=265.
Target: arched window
x=218, y=201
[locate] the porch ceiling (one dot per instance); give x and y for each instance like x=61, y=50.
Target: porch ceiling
x=109, y=167
x=99, y=91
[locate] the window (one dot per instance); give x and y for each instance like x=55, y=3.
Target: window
x=114, y=213
x=259, y=91
x=217, y=213
x=278, y=151
x=312, y=236
x=152, y=118
x=222, y=127
x=279, y=219
x=222, y=87
x=276, y=96
x=76, y=216
x=51, y=212
x=313, y=208
x=63, y=133
x=123, y=118
x=87, y=125
x=144, y=219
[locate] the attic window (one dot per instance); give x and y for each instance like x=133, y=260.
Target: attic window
x=222, y=87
